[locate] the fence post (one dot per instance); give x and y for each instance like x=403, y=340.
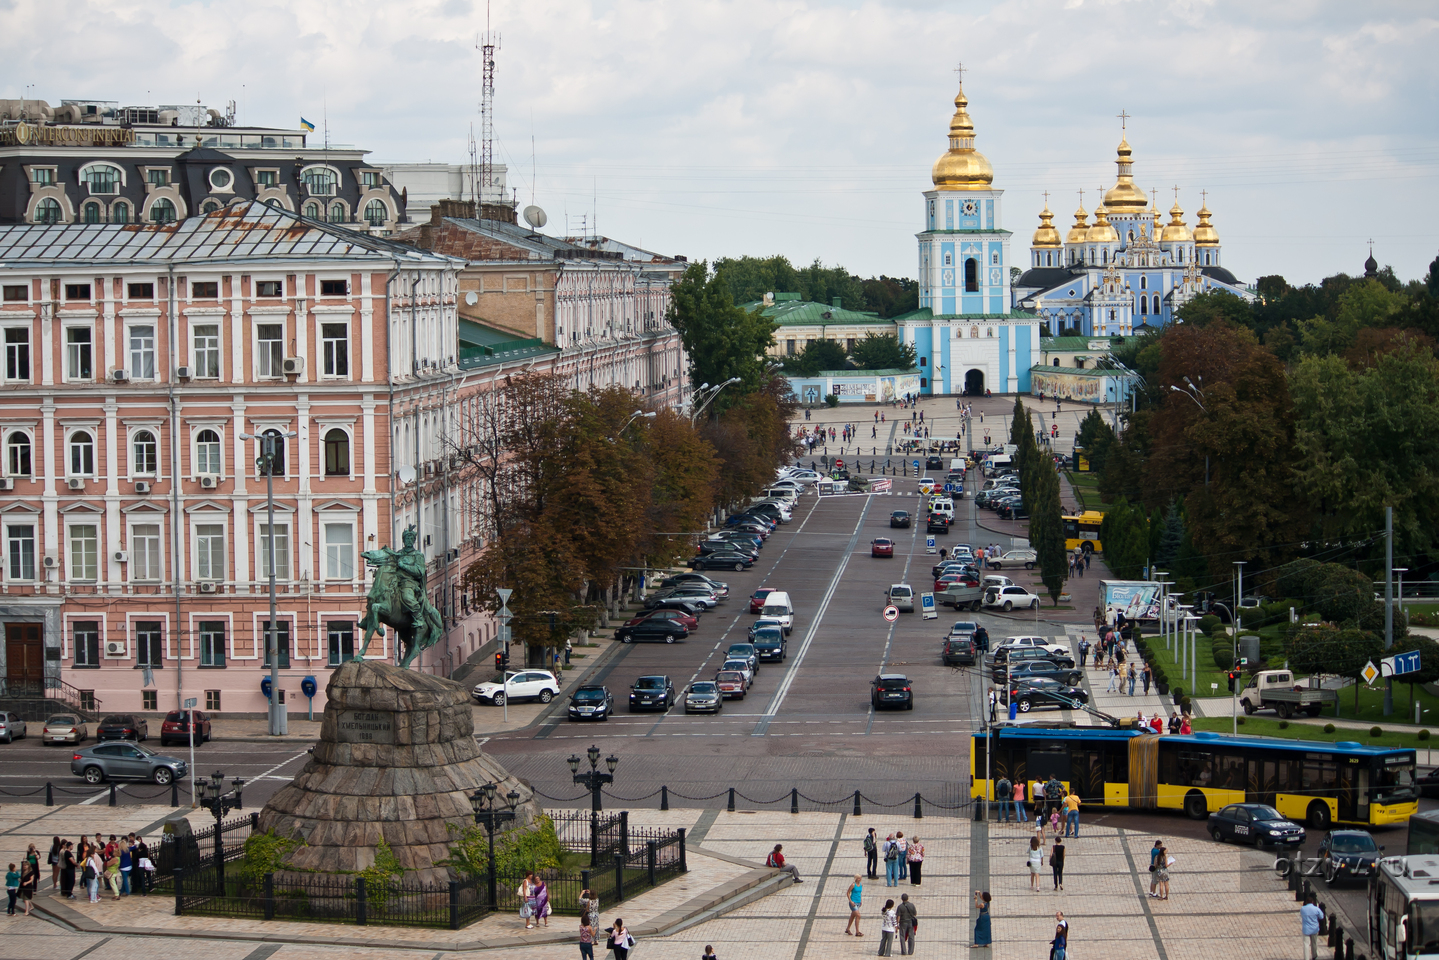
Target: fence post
x=584, y=880
x=1335, y=931
x=1348, y=948
x=49, y=794
x=650, y=860
x=664, y=797
x=454, y=904
x=269, y=896
x=174, y=792
x=918, y=813
x=620, y=879
x=360, y=917
x=684, y=868
x=625, y=833
x=255, y=820
x=179, y=890
x=856, y=803
x=493, y=886
x=731, y=798
x=112, y=793
x=794, y=799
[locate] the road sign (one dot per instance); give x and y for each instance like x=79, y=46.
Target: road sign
x=916, y=466
x=1400, y=664
x=949, y=488
x=191, y=702
x=926, y=603
x=929, y=544
x=891, y=613
x=926, y=488
x=1370, y=673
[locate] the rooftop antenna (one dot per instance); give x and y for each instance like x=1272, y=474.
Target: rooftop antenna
x=488, y=43
x=474, y=172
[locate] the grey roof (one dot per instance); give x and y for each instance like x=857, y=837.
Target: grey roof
x=1046, y=277
x=560, y=248
x=1220, y=274
x=243, y=231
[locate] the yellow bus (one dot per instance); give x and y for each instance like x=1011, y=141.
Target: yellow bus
x=1082, y=531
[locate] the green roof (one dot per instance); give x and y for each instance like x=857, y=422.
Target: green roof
x=1073, y=343
x=1072, y=371
x=896, y=372
x=926, y=313
x=788, y=310
x=480, y=345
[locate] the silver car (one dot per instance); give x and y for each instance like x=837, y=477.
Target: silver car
x=704, y=697
x=119, y=760
x=11, y=726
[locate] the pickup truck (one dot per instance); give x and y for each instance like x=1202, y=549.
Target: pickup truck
x=958, y=596
x=1277, y=690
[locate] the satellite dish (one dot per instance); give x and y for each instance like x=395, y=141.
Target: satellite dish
x=406, y=475
x=472, y=298
x=535, y=217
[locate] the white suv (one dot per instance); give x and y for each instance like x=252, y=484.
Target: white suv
x=538, y=685
x=1007, y=598
x=1043, y=643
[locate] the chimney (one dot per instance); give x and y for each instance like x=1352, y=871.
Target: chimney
x=835, y=302
x=454, y=209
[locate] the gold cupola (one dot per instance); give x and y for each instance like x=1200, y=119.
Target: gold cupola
x=1046, y=236
x=1175, y=231
x=1102, y=231
x=1080, y=231
x=1124, y=196
x=962, y=167
x=1204, y=233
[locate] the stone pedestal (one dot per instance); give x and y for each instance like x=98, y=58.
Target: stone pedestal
x=397, y=759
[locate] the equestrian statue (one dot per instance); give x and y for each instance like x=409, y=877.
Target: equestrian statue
x=397, y=599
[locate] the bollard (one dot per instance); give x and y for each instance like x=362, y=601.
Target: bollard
x=270, y=896
x=1338, y=942
x=1348, y=948
x=856, y=803
x=918, y=813
x=1307, y=890
x=454, y=904
x=684, y=865
x=1334, y=932
x=174, y=792
x=620, y=879
x=731, y=800
x=112, y=793
x=180, y=891
x=794, y=800
x=360, y=917
x=49, y=794
x=651, y=861
x=664, y=797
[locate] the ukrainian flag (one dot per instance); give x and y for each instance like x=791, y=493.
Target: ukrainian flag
x=307, y=125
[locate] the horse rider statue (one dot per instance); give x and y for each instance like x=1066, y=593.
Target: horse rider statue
x=397, y=599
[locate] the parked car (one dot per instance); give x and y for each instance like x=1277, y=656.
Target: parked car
x=1002, y=655
x=722, y=545
x=1043, y=692
x=756, y=599
x=763, y=623
x=65, y=728
x=1014, y=558
x=1255, y=823
x=891, y=690
x=652, y=693
x=1349, y=855
x=732, y=684
x=1013, y=510
x=1007, y=598
x=726, y=560
x=652, y=631
x=900, y=518
x=686, y=605
x=678, y=616
x=12, y=727
x=176, y=727
x=1043, y=643
x=538, y=685
x=881, y=547
x=704, y=696
x=125, y=761
x=957, y=649
x=123, y=726
x=593, y=701
x=1027, y=669
x=719, y=587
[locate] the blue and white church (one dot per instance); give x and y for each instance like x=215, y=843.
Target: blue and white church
x=967, y=334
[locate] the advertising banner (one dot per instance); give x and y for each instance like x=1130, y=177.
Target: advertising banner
x=1067, y=386
x=1136, y=599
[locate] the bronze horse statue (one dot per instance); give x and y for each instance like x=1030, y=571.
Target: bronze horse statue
x=397, y=599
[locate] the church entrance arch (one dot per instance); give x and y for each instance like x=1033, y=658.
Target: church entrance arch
x=974, y=383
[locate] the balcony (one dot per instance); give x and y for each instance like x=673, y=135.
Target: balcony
x=102, y=188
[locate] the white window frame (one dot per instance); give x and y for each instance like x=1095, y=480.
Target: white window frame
x=205, y=520
x=197, y=371
x=133, y=461
x=279, y=372
x=71, y=353
x=132, y=541
x=89, y=430
x=195, y=452
x=323, y=471
x=29, y=436
x=130, y=366
x=30, y=354
x=333, y=571
x=284, y=573
x=325, y=357
x=228, y=620
x=67, y=639
x=34, y=526
x=71, y=553
x=167, y=636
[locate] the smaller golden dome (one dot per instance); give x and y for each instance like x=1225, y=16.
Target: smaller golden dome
x=1080, y=231
x=1046, y=235
x=1175, y=231
x=1204, y=233
x=1102, y=231
x=1124, y=196
x=963, y=167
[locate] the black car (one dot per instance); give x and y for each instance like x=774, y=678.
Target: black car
x=689, y=605
x=732, y=546
x=936, y=524
x=900, y=518
x=681, y=578
x=1348, y=855
x=1030, y=669
x=652, y=693
x=1003, y=654
x=743, y=537
x=724, y=560
x=957, y=649
x=593, y=701
x=1013, y=511
x=891, y=690
x=1044, y=692
x=770, y=644
x=653, y=630
x=1428, y=783
x=934, y=463
x=123, y=726
x=1255, y=823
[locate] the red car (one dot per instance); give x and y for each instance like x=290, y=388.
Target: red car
x=881, y=547
x=679, y=616
x=950, y=578
x=756, y=600
x=731, y=684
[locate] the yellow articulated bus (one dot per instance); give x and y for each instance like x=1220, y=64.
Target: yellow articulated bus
x=1312, y=782
x=1081, y=531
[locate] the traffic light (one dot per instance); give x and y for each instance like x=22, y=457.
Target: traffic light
x=500, y=659
x=1233, y=676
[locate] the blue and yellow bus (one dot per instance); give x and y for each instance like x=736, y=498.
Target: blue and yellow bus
x=1308, y=781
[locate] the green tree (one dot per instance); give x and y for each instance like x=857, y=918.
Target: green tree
x=1171, y=537
x=1367, y=303
x=722, y=340
x=890, y=296
x=1332, y=652
x=1125, y=536
x=883, y=352
x=1094, y=438
x=1046, y=533
x=817, y=355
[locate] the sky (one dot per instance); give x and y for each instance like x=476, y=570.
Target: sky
x=808, y=127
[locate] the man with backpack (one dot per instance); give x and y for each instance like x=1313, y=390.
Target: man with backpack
x=892, y=853
x=871, y=854
x=1053, y=794
x=1004, y=790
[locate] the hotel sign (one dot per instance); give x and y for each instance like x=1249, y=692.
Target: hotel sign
x=53, y=135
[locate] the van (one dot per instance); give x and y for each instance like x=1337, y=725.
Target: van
x=958, y=464
x=777, y=607
x=901, y=597
x=942, y=507
x=786, y=494
x=994, y=465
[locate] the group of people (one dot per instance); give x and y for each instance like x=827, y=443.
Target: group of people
x=903, y=857
x=1052, y=804
x=1078, y=562
x=122, y=864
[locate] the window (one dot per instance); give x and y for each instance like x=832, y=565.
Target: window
x=145, y=551
x=376, y=213
x=212, y=698
x=269, y=288
x=150, y=699
x=282, y=551
x=210, y=551
x=369, y=178
x=86, y=634
x=220, y=178
x=206, y=339
x=82, y=454
x=339, y=551
x=77, y=291
x=212, y=651
x=1143, y=304
x=149, y=643
x=43, y=176
x=79, y=353
x=47, y=211
x=994, y=258
x=276, y=463
x=267, y=178
x=84, y=552
x=207, y=453
x=17, y=455
x=270, y=348
x=17, y=353
x=342, y=641
x=87, y=700
x=102, y=179
x=337, y=213
x=209, y=206
x=1156, y=303
x=162, y=211
x=281, y=639
x=205, y=290
x=312, y=210
x=789, y=348
x=337, y=453
x=335, y=343
x=971, y=276
x=159, y=178
x=142, y=352
x=334, y=288
x=146, y=454
x=320, y=182
x=91, y=213
x=17, y=293
x=20, y=543
x=120, y=212
x=1144, y=283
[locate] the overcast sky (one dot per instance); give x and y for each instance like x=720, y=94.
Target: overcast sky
x=808, y=128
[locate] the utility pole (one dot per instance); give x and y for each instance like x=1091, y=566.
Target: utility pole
x=504, y=617
x=1388, y=603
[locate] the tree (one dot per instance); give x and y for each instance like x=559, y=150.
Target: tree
x=817, y=355
x=891, y=296
x=1171, y=537
x=1125, y=536
x=1329, y=652
x=883, y=352
x=722, y=340
x=1094, y=439
x=1046, y=533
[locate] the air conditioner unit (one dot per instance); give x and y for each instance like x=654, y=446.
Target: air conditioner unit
x=6, y=483
x=208, y=586
x=75, y=483
x=142, y=486
x=121, y=556
x=184, y=373
x=51, y=562
x=209, y=482
x=114, y=648
x=293, y=365
x=119, y=376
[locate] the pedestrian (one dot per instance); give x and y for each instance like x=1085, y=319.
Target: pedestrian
x=1087, y=558
x=53, y=859
x=620, y=940
x=891, y=862
x=145, y=866
x=1054, y=797
x=29, y=883
x=903, y=854
x=1113, y=677
x=915, y=855
x=1019, y=813
x=1036, y=860
x=1161, y=874
x=1311, y=925
x=541, y=894
x=887, y=924
x=1154, y=854
x=1174, y=723
x=112, y=874
x=1071, y=812
x=1004, y=789
x=1054, y=823
x=871, y=854
x=908, y=918
x=12, y=889
x=1184, y=725
x=67, y=870
x=1144, y=675
x=982, y=934
x=126, y=865
x=587, y=938
x=1056, y=863
x=93, y=868
x=1133, y=676
x=1059, y=943
x=856, y=895
x=993, y=703
x=709, y=953
x=776, y=860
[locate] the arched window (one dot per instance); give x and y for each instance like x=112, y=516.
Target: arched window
x=209, y=206
x=337, y=453
x=102, y=178
x=120, y=212
x=1104, y=255
x=47, y=211
x=207, y=453
x=82, y=454
x=376, y=213
x=1056, y=361
x=337, y=213
x=312, y=210
x=971, y=276
x=1143, y=304
x=277, y=461
x=17, y=454
x=92, y=212
x=1144, y=283
x=146, y=453
x=162, y=211
x=1206, y=258
x=1156, y=303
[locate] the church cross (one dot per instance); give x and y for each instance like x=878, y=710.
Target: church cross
x=1176, y=193
x=1081, y=198
x=1204, y=198
x=1046, y=198
x=1371, y=247
x=959, y=71
x=1123, y=119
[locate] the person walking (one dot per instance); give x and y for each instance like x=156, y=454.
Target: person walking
x=1144, y=675
x=1184, y=725
x=12, y=889
x=1059, y=943
x=776, y=860
x=1053, y=796
x=915, y=855
x=144, y=866
x=541, y=895
x=1154, y=853
x=1113, y=677
x=620, y=940
x=1019, y=813
x=871, y=854
x=1036, y=860
x=1161, y=874
x=29, y=883
x=1004, y=790
x=1133, y=678
x=1056, y=863
x=1310, y=918
x=887, y=924
x=94, y=867
x=982, y=933
x=126, y=865
x=908, y=918
x=856, y=896
x=53, y=859
x=891, y=862
x=67, y=871
x=587, y=938
x=526, y=893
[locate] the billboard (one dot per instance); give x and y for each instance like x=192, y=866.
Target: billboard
x=1067, y=386
x=858, y=387
x=1136, y=599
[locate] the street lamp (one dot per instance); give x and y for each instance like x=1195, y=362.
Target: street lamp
x=706, y=394
x=482, y=801
x=279, y=722
x=592, y=779
x=637, y=415
x=213, y=797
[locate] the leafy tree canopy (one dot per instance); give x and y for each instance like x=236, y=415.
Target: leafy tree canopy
x=722, y=340
x=817, y=355
x=883, y=352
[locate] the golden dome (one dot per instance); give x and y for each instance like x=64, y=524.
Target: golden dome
x=963, y=167
x=1080, y=230
x=1124, y=196
x=1175, y=231
x=1102, y=231
x=1046, y=235
x=1204, y=233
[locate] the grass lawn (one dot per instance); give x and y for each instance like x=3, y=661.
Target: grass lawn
x=1208, y=672
x=1086, y=490
x=1267, y=727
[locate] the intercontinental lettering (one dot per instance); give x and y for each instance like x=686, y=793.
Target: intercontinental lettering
x=30, y=133
x=365, y=726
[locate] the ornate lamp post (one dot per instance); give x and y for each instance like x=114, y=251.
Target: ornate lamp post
x=593, y=780
x=213, y=797
x=482, y=801
x=279, y=721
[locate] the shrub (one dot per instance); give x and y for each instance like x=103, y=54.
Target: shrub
x=265, y=853
x=1239, y=721
x=832, y=400
x=1283, y=724
x=1223, y=657
x=1208, y=622
x=1423, y=734
x=1329, y=728
x=1178, y=692
x=1376, y=731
